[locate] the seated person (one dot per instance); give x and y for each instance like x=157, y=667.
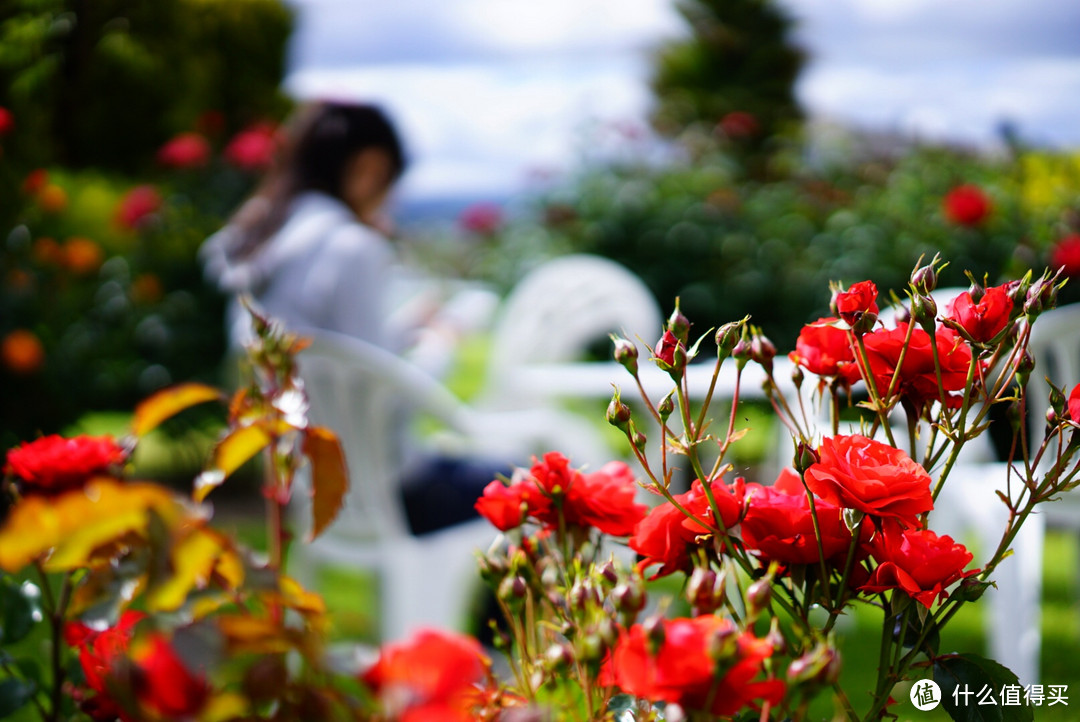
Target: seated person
x=309, y=248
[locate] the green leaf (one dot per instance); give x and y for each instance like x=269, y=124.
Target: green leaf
x=957, y=674
x=14, y=693
x=18, y=611
x=914, y=629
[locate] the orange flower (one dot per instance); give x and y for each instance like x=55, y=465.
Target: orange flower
x=22, y=352
x=47, y=252
x=52, y=199
x=82, y=255
x=146, y=288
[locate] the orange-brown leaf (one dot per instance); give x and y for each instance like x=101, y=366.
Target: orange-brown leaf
x=329, y=476
x=230, y=454
x=168, y=402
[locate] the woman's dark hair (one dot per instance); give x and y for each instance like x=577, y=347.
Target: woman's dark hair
x=319, y=143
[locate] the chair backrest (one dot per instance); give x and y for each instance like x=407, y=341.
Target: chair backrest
x=1055, y=346
x=561, y=308
x=362, y=393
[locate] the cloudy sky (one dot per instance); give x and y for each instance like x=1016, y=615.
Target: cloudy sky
x=492, y=94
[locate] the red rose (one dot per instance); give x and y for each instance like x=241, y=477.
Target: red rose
x=917, y=562
x=483, y=219
x=822, y=348
x=603, y=499
x=506, y=506
x=35, y=181
x=99, y=651
x=686, y=669
x=739, y=124
x=186, y=150
x=918, y=377
x=1074, y=405
x=856, y=302
x=666, y=535
x=432, y=676
x=966, y=205
x=982, y=320
x=779, y=526
x=1066, y=254
x=859, y=473
x=136, y=205
x=253, y=148
x=164, y=684
x=7, y=121
x=53, y=464
x=665, y=348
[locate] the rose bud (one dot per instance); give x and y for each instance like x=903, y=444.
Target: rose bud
x=626, y=353
x=618, y=413
x=924, y=279
x=726, y=338
x=678, y=324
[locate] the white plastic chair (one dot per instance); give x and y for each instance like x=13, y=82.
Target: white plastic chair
x=556, y=312
x=359, y=391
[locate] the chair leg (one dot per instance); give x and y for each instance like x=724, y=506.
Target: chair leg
x=1016, y=605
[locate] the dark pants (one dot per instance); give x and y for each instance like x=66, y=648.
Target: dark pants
x=441, y=491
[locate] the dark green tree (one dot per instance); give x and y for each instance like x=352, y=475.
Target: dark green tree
x=738, y=58
x=104, y=82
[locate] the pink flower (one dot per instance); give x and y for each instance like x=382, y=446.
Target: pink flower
x=186, y=150
x=966, y=205
x=139, y=203
x=253, y=148
x=483, y=219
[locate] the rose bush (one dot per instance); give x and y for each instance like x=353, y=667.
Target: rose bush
x=153, y=614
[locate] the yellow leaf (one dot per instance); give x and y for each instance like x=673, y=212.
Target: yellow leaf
x=229, y=455
x=300, y=599
x=69, y=527
x=329, y=477
x=195, y=559
x=169, y=402
x=249, y=634
x=223, y=707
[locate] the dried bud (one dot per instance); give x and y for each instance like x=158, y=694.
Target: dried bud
x=762, y=350
x=971, y=589
x=805, y=457
x=653, y=627
x=723, y=643
x=819, y=666
x=626, y=353
x=558, y=657
x=924, y=279
x=679, y=324
x=758, y=596
x=705, y=590
x=618, y=413
x=513, y=589
x=797, y=376
x=726, y=338
x=924, y=312
x=629, y=597
x=608, y=572
x=666, y=406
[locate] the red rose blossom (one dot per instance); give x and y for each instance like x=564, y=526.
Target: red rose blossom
x=7, y=121
x=966, y=205
x=253, y=148
x=434, y=675
x=918, y=376
x=666, y=535
x=855, y=472
x=665, y=348
x=603, y=499
x=985, y=319
x=164, y=684
x=100, y=650
x=779, y=526
x=854, y=303
x=739, y=124
x=683, y=668
x=136, y=205
x=186, y=150
x=1074, y=405
x=53, y=464
x=822, y=348
x=1066, y=254
x=917, y=562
